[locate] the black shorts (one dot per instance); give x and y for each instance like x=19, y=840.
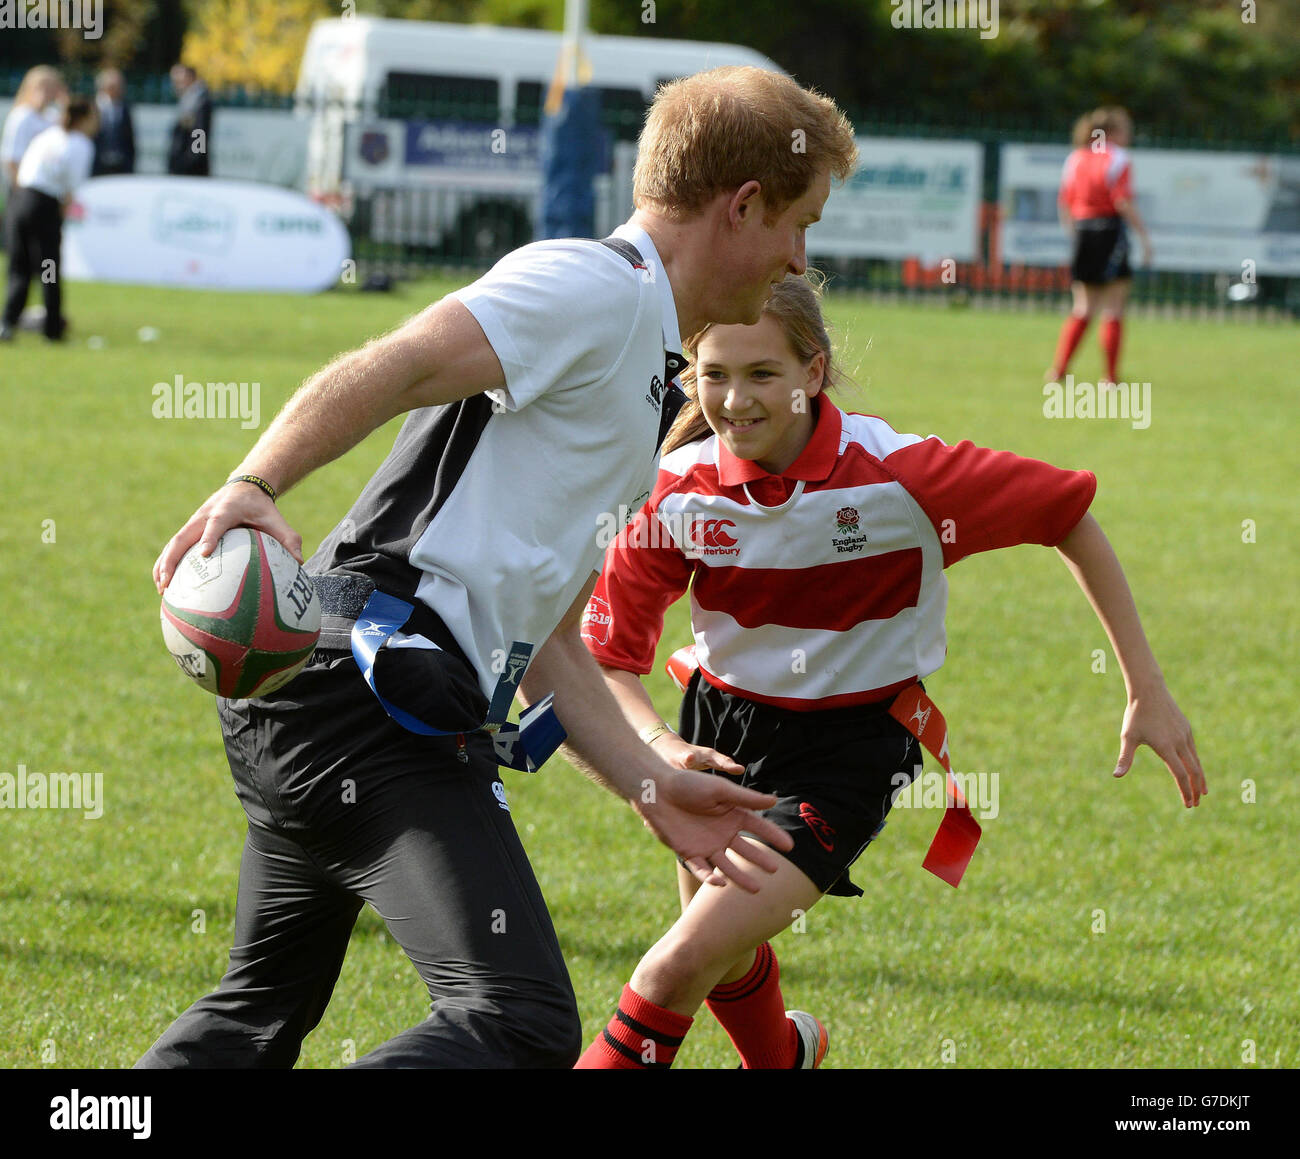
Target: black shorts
x=835, y=772
x=1100, y=251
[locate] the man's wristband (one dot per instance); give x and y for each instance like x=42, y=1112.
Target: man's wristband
x=256, y=480
x=652, y=732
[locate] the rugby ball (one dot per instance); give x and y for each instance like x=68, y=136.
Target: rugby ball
x=244, y=620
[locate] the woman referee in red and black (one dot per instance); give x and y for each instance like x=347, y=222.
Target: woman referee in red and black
x=1096, y=200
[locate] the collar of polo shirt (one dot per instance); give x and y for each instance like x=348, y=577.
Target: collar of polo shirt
x=815, y=461
x=654, y=264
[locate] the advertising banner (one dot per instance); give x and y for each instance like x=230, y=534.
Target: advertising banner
x=1206, y=212
x=907, y=199
x=201, y=232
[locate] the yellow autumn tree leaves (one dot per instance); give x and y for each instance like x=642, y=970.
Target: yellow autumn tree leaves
x=257, y=44
x=253, y=44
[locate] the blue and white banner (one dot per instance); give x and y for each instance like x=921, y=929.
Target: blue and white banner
x=391, y=154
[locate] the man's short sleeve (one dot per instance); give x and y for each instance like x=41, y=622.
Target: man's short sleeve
x=557, y=314
x=981, y=500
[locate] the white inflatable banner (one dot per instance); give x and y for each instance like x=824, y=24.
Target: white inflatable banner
x=201, y=232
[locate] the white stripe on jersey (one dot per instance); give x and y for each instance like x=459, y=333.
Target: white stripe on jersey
x=809, y=664
x=874, y=435
x=799, y=537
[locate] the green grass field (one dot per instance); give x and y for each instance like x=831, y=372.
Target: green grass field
x=1101, y=925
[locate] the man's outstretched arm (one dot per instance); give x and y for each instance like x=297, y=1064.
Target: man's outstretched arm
x=439, y=356
x=697, y=815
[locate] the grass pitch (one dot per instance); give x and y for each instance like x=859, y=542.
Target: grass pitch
x=1101, y=925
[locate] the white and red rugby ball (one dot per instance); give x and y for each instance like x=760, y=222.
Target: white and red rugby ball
x=244, y=620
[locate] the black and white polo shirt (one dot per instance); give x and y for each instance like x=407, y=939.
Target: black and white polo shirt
x=490, y=509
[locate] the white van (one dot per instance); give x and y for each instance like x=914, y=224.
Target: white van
x=431, y=132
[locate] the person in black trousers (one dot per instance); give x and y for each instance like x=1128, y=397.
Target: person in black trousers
x=55, y=163
x=115, y=141
x=190, y=152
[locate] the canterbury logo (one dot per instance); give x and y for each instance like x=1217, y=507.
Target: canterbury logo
x=712, y=533
x=820, y=828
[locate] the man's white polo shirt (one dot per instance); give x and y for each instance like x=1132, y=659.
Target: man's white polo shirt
x=490, y=510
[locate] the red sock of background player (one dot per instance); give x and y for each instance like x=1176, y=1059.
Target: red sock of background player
x=1112, y=330
x=1072, y=331
x=640, y=1036
x=752, y=1012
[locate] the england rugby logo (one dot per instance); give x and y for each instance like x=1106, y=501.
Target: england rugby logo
x=846, y=520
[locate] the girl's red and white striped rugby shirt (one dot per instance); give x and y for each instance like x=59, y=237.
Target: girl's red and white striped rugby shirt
x=822, y=587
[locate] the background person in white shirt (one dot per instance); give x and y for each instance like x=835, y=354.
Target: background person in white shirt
x=55, y=163
x=34, y=110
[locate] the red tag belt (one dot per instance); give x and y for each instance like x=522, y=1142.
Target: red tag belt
x=959, y=832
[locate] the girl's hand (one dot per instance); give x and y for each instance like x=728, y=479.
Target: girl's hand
x=670, y=748
x=1152, y=718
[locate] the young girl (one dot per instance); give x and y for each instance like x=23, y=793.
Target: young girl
x=814, y=542
x=1095, y=201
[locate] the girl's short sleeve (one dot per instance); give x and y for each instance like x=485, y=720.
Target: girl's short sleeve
x=981, y=500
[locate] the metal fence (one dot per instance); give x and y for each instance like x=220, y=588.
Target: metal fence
x=401, y=233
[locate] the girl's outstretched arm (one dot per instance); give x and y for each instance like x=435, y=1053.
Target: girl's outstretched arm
x=1151, y=718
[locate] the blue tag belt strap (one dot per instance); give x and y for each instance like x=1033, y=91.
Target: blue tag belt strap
x=525, y=746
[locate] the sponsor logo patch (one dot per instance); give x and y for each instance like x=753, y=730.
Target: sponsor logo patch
x=597, y=619
x=711, y=537
x=821, y=829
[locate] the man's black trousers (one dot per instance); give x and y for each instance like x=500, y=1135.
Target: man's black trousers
x=344, y=807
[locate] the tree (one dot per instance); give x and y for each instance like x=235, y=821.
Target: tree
x=251, y=43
